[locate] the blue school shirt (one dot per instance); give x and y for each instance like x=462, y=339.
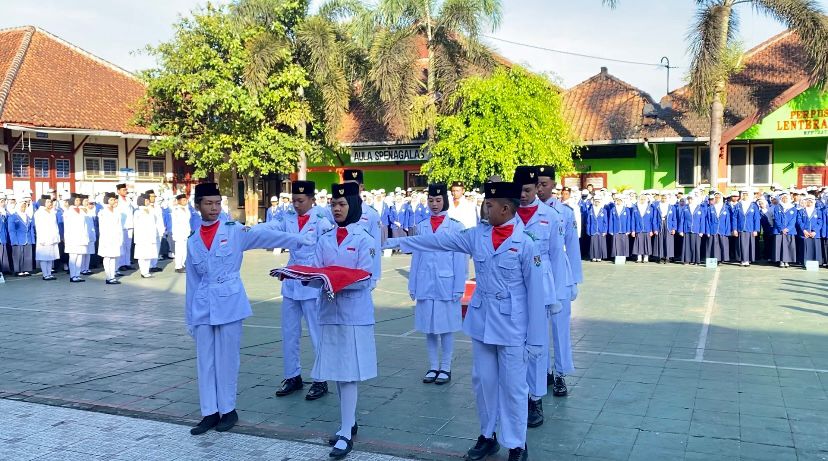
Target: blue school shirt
x=618, y=223
x=810, y=224
x=21, y=230
x=596, y=224
x=747, y=221
x=672, y=217
x=721, y=223
x=784, y=219
x=642, y=222
x=693, y=221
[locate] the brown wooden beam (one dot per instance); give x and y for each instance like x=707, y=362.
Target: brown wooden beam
x=78, y=147
x=130, y=151
x=16, y=143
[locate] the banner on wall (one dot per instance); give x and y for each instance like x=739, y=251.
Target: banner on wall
x=389, y=154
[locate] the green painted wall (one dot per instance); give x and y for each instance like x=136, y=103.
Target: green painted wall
x=790, y=154
x=637, y=173
x=324, y=180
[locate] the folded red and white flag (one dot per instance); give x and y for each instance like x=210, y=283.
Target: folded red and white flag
x=333, y=278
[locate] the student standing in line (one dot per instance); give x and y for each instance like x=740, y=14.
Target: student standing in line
x=719, y=229
x=90, y=215
x=664, y=229
x=5, y=259
x=76, y=236
x=596, y=229
x=809, y=232
x=127, y=210
x=784, y=230
x=642, y=230
x=110, y=241
x=618, y=227
x=691, y=225
x=48, y=237
x=746, y=228
x=181, y=230
x=145, y=236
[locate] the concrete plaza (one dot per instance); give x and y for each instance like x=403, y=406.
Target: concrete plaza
x=673, y=362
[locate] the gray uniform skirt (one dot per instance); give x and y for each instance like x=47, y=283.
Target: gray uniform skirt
x=22, y=258
x=597, y=246
x=691, y=249
x=345, y=353
x=664, y=243
x=620, y=245
x=718, y=246
x=785, y=246
x=809, y=250
x=642, y=245
x=746, y=247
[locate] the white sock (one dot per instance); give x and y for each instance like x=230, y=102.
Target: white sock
x=347, y=410
x=447, y=341
x=431, y=345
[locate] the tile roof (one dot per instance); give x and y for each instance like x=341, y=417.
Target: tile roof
x=57, y=85
x=768, y=71
x=604, y=108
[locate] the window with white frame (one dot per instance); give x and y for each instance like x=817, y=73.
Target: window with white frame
x=692, y=165
x=41, y=167
x=148, y=167
x=750, y=164
x=20, y=165
x=100, y=160
x=62, y=168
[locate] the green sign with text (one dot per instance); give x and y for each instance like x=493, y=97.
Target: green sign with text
x=804, y=116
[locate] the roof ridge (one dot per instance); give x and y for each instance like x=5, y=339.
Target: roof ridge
x=87, y=54
x=770, y=41
x=626, y=85
x=17, y=61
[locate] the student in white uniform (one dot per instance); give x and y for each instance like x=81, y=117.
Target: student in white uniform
x=90, y=217
x=436, y=282
x=460, y=208
x=160, y=229
x=299, y=301
x=506, y=318
x=48, y=237
x=216, y=303
x=146, y=236
x=180, y=231
x=127, y=210
x=111, y=237
x=346, y=351
x=76, y=237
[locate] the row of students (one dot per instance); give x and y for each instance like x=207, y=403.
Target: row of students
x=698, y=227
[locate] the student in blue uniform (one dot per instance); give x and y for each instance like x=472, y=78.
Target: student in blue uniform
x=5, y=260
x=22, y=237
x=346, y=352
x=421, y=212
x=216, y=303
x=561, y=362
x=665, y=223
x=809, y=231
x=692, y=227
x=597, y=219
x=765, y=241
x=642, y=230
x=505, y=319
x=823, y=210
x=784, y=230
x=436, y=282
x=719, y=229
x=746, y=228
x=274, y=211
x=547, y=226
x=618, y=227
x=300, y=301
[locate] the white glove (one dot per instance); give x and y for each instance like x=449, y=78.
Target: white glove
x=573, y=292
x=534, y=352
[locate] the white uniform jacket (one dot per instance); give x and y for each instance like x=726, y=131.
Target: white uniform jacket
x=215, y=294
x=112, y=233
x=439, y=275
x=507, y=308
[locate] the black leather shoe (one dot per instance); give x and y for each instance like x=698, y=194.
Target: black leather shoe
x=338, y=453
x=181, y=271
x=126, y=268
x=559, y=387
x=550, y=379
x=118, y=274
x=228, y=420
x=289, y=386
x=49, y=278
x=86, y=272
x=430, y=379
x=535, y=417
x=483, y=448
x=354, y=430
x=518, y=454
x=113, y=282
x=317, y=390
x=156, y=269
x=207, y=423
x=76, y=280
x=440, y=381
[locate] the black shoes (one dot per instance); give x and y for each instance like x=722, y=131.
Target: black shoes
x=113, y=282
x=76, y=280
x=535, y=417
x=440, y=380
x=332, y=441
x=317, y=390
x=156, y=269
x=207, y=423
x=86, y=272
x=339, y=453
x=181, y=271
x=559, y=387
x=51, y=277
x=126, y=268
x=148, y=276
x=518, y=454
x=228, y=420
x=430, y=379
x=483, y=448
x=289, y=386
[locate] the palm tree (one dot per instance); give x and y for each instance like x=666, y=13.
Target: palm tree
x=319, y=42
x=711, y=40
x=452, y=31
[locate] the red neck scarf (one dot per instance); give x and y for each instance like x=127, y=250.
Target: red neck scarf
x=303, y=220
x=341, y=233
x=526, y=212
x=436, y=221
x=208, y=233
x=501, y=233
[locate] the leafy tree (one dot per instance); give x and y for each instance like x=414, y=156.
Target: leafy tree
x=713, y=38
x=508, y=119
x=197, y=104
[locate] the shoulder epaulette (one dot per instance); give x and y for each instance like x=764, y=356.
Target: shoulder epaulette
x=191, y=234
x=328, y=230
x=531, y=235
x=366, y=231
x=230, y=223
x=454, y=220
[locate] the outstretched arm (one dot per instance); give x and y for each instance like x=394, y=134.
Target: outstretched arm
x=460, y=242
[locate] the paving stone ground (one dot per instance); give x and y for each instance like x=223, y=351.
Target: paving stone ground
x=672, y=362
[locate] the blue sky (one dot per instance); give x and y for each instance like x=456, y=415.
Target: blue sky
x=638, y=30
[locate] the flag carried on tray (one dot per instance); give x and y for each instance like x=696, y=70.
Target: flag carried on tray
x=333, y=278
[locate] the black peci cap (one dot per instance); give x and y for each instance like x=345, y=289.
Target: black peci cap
x=353, y=175
x=206, y=189
x=508, y=190
x=149, y=192
x=110, y=195
x=120, y=186
x=526, y=175
x=546, y=170
x=180, y=196
x=458, y=184
x=303, y=187
x=347, y=189
x=437, y=189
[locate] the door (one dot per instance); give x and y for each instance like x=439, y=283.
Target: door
x=51, y=171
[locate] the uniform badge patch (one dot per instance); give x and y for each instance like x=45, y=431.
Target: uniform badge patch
x=373, y=252
x=537, y=260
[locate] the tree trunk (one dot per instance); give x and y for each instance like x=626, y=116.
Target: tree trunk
x=251, y=200
x=717, y=104
x=430, y=72
x=302, y=165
